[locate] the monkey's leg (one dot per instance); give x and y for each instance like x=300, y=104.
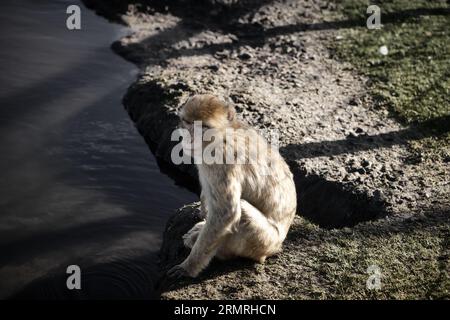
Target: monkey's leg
x=224, y=212
x=255, y=238
x=191, y=236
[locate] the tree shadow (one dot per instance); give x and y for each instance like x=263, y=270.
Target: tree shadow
x=396, y=17
x=331, y=204
x=193, y=11
x=255, y=35
x=196, y=18
x=355, y=143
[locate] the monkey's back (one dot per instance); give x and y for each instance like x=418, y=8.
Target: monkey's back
x=269, y=185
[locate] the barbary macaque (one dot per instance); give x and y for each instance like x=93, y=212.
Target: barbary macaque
x=249, y=202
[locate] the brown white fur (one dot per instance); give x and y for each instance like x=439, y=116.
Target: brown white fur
x=248, y=213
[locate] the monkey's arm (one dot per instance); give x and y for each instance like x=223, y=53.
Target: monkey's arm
x=224, y=211
x=203, y=209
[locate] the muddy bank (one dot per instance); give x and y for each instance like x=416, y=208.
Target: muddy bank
x=363, y=201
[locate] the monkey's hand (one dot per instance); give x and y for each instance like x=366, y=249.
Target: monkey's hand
x=180, y=271
x=177, y=272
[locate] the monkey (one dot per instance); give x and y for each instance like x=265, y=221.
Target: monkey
x=249, y=206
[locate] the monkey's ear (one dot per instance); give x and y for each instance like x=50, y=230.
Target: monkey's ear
x=231, y=112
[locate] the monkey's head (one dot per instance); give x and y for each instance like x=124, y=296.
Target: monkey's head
x=210, y=110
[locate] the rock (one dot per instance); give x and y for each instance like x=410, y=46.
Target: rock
x=361, y=170
x=245, y=56
x=383, y=50
x=172, y=250
x=365, y=163
x=359, y=130
x=353, y=102
x=213, y=67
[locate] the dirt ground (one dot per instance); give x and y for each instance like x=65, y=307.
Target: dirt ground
x=365, y=201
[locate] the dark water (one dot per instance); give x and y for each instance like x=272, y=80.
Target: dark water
x=78, y=184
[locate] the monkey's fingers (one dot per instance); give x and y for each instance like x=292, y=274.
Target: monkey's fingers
x=177, y=272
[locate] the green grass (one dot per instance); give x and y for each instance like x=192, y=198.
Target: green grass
x=413, y=79
x=404, y=276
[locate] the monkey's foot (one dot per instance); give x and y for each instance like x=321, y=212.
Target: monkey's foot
x=191, y=236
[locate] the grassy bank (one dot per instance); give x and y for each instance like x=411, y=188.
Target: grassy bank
x=413, y=79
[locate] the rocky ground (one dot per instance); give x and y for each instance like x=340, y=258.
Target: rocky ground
x=364, y=198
